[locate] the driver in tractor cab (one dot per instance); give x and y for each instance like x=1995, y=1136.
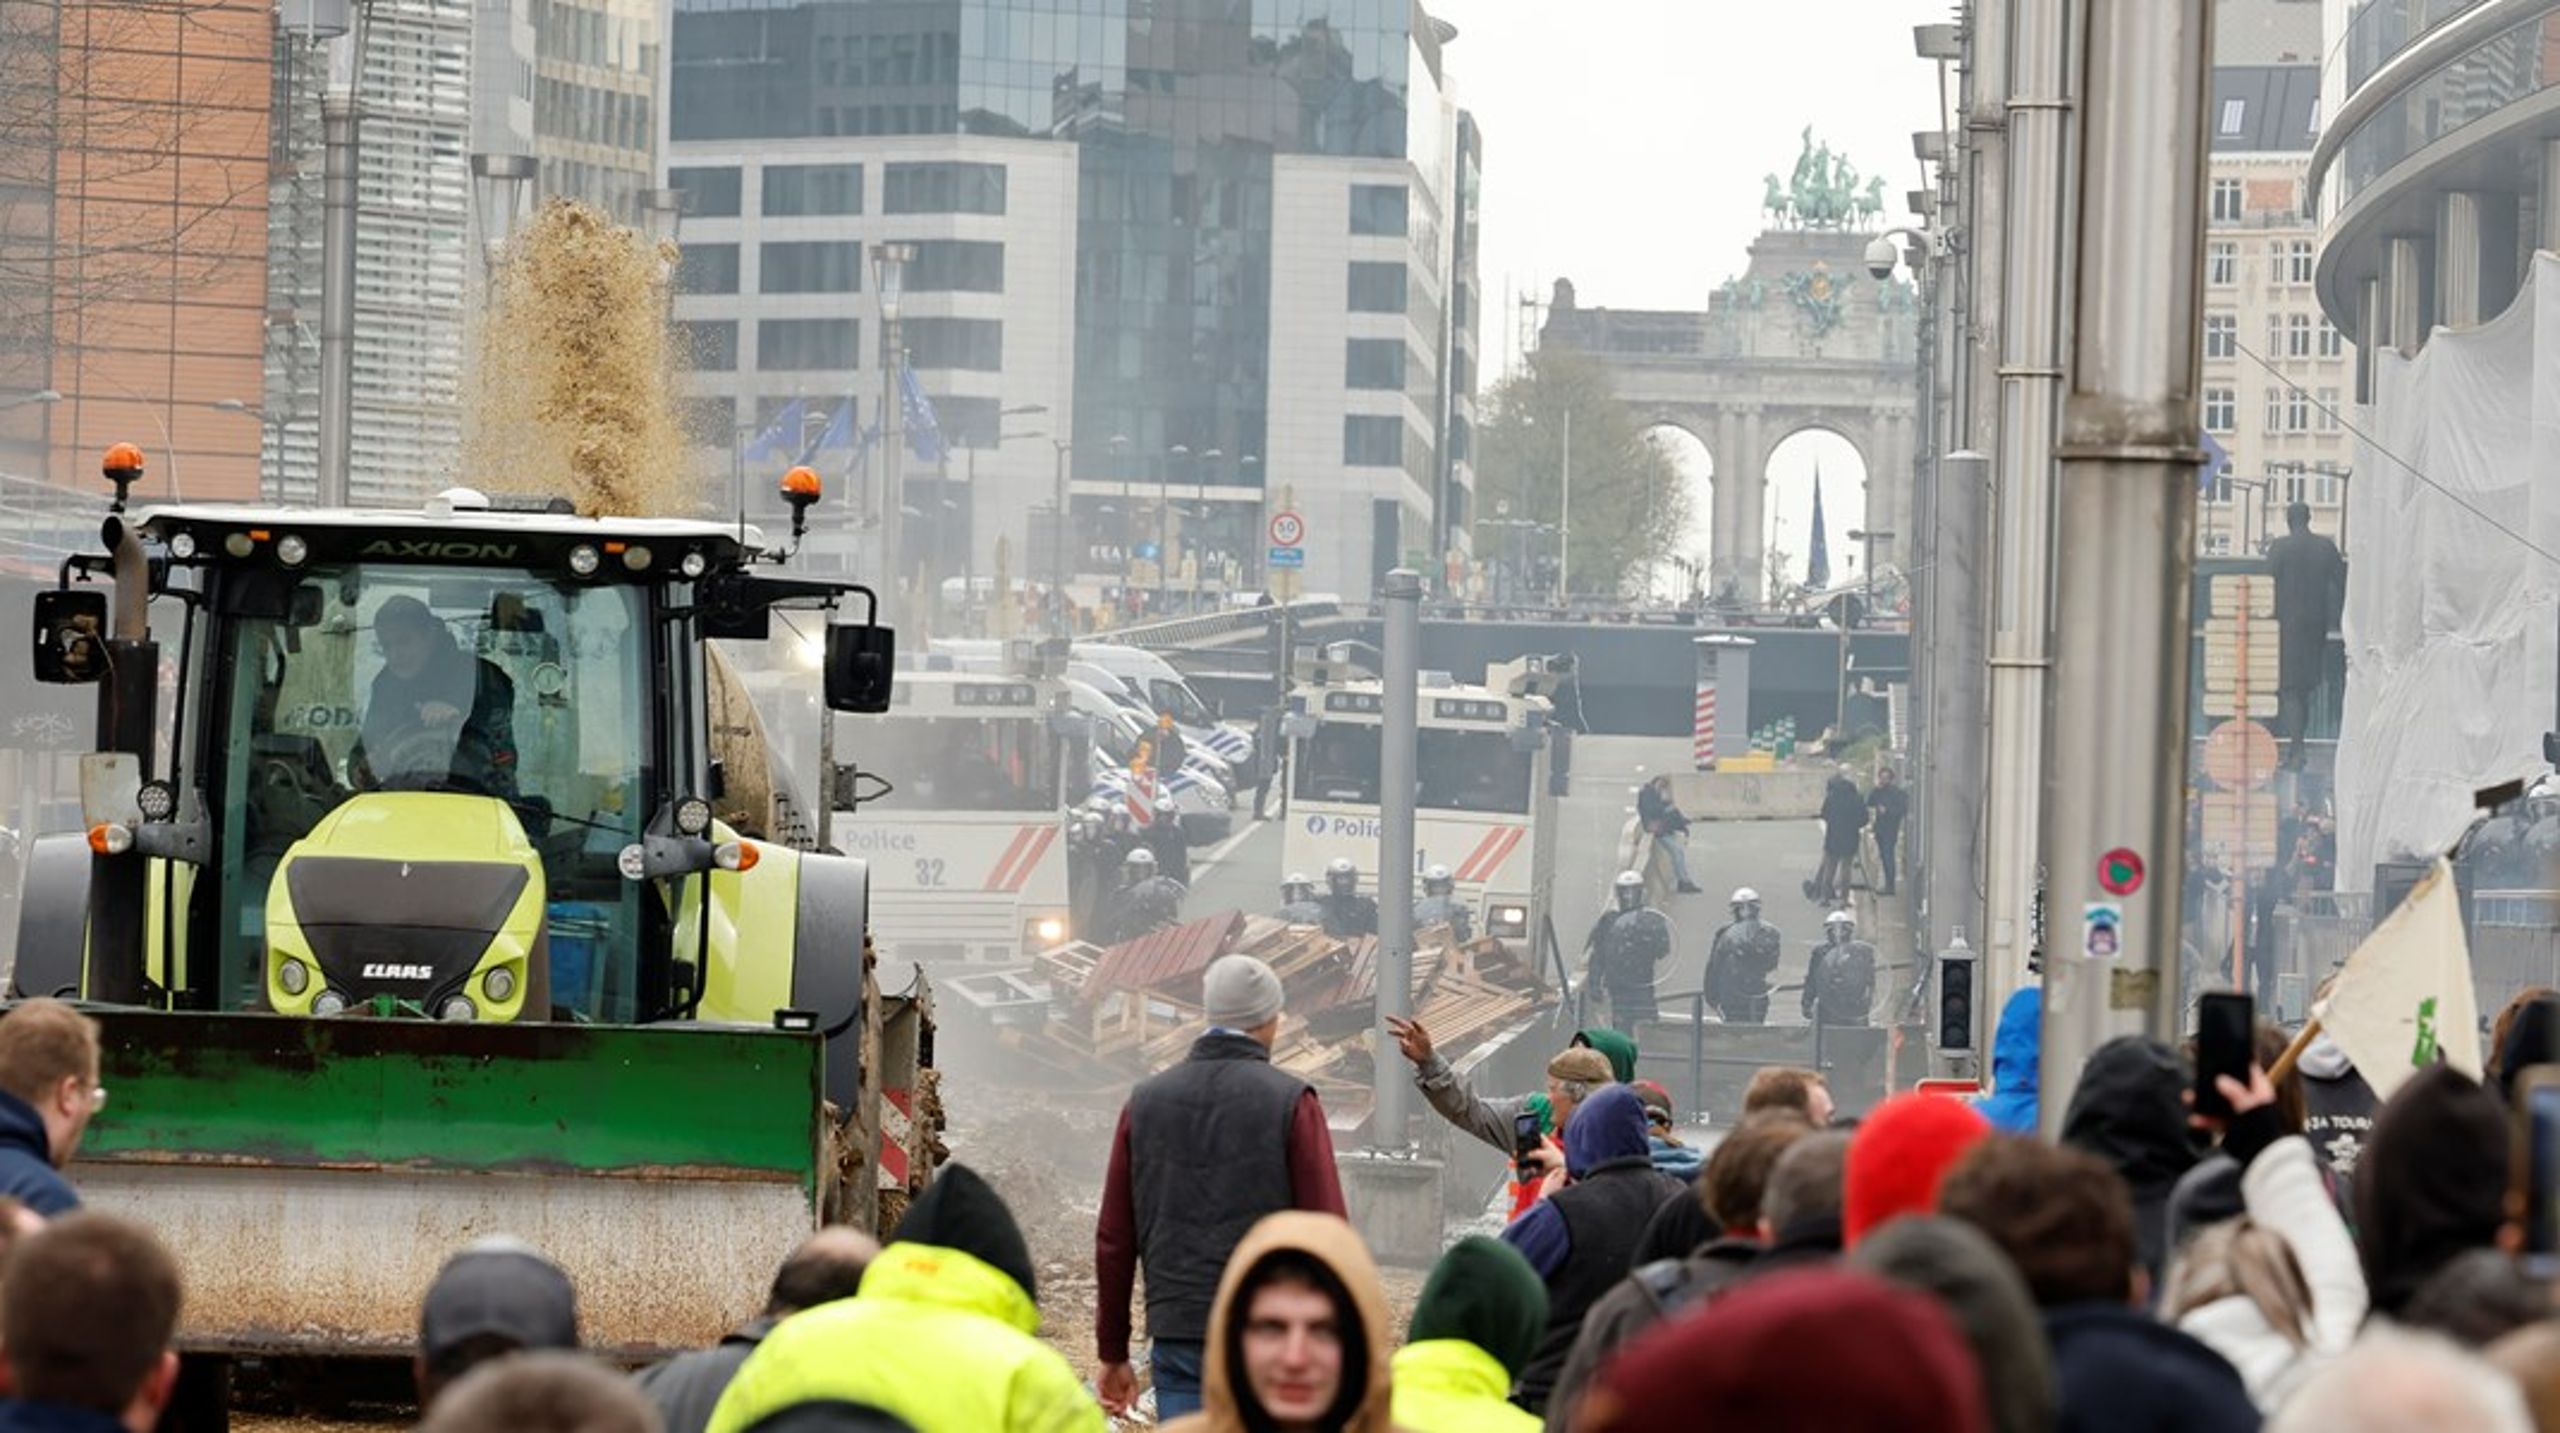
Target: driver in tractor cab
x=437, y=713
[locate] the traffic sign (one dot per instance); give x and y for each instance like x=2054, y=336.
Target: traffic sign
x=1288, y=557
x=1287, y=529
x=2241, y=826
x=2120, y=871
x=2240, y=754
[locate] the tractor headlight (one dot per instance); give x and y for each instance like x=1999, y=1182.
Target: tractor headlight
x=329, y=1002
x=293, y=977
x=693, y=816
x=499, y=985
x=182, y=546
x=584, y=560
x=458, y=1007
x=1509, y=918
x=291, y=549
x=158, y=800
x=693, y=564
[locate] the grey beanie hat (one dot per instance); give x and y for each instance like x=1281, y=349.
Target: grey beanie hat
x=1240, y=992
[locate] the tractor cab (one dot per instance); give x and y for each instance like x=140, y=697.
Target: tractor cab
x=450, y=763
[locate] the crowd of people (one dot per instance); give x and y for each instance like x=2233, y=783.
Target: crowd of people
x=2314, y=1260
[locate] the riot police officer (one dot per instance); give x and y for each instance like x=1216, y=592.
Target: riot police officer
x=1146, y=901
x=1739, y=963
x=1298, y=904
x=1440, y=906
x=1346, y=912
x=1164, y=837
x=1840, y=984
x=1093, y=863
x=1628, y=946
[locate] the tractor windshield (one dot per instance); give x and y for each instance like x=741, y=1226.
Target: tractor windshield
x=486, y=681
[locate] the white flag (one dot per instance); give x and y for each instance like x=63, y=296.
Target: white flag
x=2404, y=999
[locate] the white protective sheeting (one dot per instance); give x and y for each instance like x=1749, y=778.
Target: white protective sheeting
x=2453, y=665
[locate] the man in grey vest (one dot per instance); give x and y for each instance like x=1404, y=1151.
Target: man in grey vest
x=1204, y=1150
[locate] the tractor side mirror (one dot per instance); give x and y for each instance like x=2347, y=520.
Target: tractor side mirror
x=70, y=639
x=861, y=664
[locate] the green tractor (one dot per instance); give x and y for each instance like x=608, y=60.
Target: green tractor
x=423, y=896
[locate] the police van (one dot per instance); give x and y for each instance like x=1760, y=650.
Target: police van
x=1486, y=808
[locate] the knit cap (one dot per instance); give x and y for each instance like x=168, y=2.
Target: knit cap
x=1240, y=992
x=1898, y=1156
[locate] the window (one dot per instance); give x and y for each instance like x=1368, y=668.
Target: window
x=2226, y=201
x=2234, y=114
x=2325, y=485
x=816, y=266
x=967, y=266
x=1378, y=288
x=2275, y=336
x=1378, y=209
x=2275, y=410
x=2333, y=344
x=2297, y=335
x=1339, y=763
x=796, y=190
x=950, y=188
x=975, y=344
x=2329, y=410
x=708, y=193
x=1372, y=442
x=2297, y=262
x=1374, y=363
x=2217, y=489
x=964, y=763
x=790, y=345
x=2297, y=411
x=1471, y=771
x=2221, y=410
x=710, y=345
x=967, y=422
x=2221, y=335
x=2222, y=264
x=708, y=269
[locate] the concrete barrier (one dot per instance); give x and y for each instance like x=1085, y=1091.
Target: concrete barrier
x=1786, y=794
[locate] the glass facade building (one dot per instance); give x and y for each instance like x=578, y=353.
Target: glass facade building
x=1179, y=110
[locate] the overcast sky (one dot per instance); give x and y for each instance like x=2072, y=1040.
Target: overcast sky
x=1625, y=147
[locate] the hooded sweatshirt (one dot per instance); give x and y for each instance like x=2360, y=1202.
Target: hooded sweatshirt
x=1224, y=1389
x=1582, y=1240
x=2118, y=1370
x=1960, y=1266
x=2432, y=1184
x=2338, y=1108
x=1621, y=1050
x=2017, y=1052
x=952, y=1294
x=2130, y=1110
x=1477, y=1322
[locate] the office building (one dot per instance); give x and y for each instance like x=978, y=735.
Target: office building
x=579, y=87
x=133, y=145
x=1214, y=246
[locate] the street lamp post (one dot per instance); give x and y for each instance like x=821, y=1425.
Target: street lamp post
x=1164, y=524
x=500, y=185
x=21, y=400
x=341, y=120
x=889, y=273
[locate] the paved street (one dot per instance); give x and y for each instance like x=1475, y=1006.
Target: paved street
x=1773, y=857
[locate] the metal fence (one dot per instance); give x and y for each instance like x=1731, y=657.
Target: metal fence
x=2515, y=940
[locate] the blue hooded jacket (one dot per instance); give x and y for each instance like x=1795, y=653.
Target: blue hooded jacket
x=2016, y=1052
x=1606, y=1129
x=26, y=1161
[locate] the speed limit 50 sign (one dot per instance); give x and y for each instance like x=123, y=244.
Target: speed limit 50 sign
x=1287, y=529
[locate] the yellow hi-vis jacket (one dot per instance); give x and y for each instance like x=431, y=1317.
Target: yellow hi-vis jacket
x=938, y=1337
x=1448, y=1385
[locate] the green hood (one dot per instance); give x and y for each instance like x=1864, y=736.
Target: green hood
x=1484, y=1293
x=1620, y=1049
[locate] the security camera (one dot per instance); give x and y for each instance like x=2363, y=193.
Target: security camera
x=1882, y=257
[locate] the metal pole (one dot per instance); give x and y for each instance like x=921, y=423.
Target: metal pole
x=893, y=488
x=1397, y=762
x=2043, y=45
x=1058, y=577
x=1164, y=535
x=2116, y=751
x=1564, y=521
x=1956, y=745
x=340, y=119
